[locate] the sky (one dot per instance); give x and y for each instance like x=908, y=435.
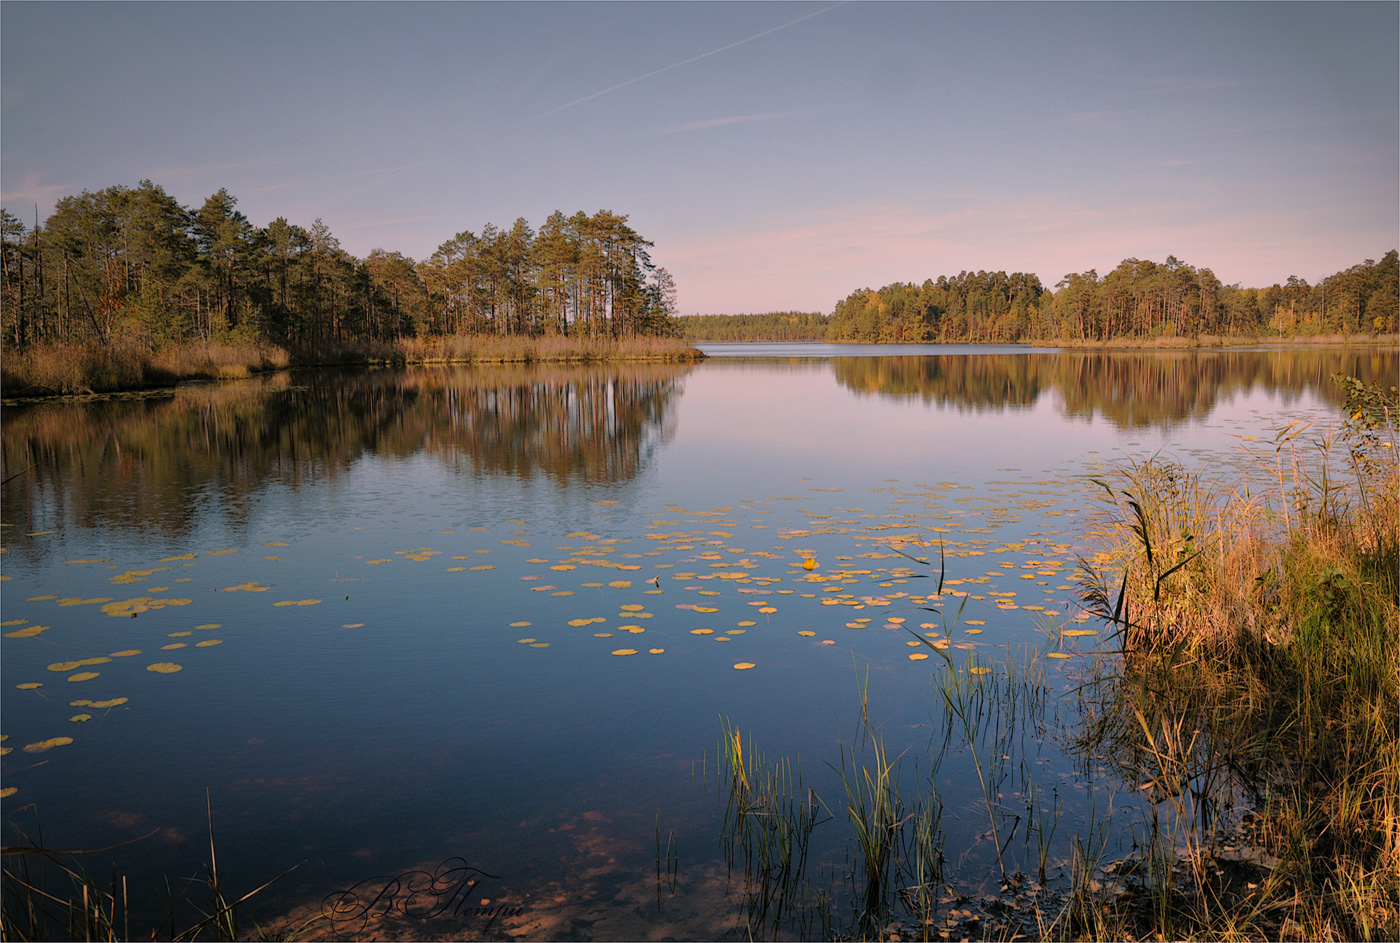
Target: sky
x=779, y=155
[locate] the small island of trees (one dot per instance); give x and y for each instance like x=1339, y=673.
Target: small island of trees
x=128, y=273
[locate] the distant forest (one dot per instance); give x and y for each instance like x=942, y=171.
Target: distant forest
x=774, y=326
x=134, y=265
x=1138, y=299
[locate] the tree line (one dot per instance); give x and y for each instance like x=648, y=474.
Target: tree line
x=773, y=326
x=132, y=263
x=1138, y=299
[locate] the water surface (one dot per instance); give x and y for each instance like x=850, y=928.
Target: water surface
x=397, y=600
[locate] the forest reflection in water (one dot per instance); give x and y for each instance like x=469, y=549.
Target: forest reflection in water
x=1131, y=389
x=142, y=461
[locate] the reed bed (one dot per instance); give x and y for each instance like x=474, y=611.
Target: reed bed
x=79, y=368
x=83, y=368
x=490, y=348
x=1259, y=657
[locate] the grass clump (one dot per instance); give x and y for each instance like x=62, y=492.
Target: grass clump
x=1259, y=657
x=58, y=369
x=76, y=368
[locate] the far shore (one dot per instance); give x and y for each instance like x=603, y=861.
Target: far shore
x=1215, y=340
x=59, y=370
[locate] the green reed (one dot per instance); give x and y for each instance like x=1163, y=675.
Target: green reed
x=1259, y=661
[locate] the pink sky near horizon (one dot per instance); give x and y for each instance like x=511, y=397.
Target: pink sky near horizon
x=780, y=156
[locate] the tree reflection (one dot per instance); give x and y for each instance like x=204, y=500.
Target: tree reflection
x=1130, y=389
x=151, y=461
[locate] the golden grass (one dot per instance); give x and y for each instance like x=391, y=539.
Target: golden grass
x=74, y=368
x=1260, y=649
x=77, y=368
x=492, y=348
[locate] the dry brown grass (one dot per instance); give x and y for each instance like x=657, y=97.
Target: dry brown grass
x=1260, y=635
x=74, y=368
x=517, y=349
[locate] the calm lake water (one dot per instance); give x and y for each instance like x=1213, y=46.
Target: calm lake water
x=501, y=614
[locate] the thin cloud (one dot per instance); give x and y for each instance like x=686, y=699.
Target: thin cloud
x=389, y=174
x=734, y=119
x=31, y=190
x=677, y=65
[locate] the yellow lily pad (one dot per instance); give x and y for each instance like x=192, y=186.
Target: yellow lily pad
x=43, y=746
x=165, y=667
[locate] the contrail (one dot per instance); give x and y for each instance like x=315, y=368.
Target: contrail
x=677, y=65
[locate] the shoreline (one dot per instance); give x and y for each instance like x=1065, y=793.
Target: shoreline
x=1218, y=342
x=63, y=371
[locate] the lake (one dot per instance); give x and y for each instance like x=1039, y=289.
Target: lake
x=493, y=623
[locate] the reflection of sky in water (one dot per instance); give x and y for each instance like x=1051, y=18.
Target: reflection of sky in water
x=429, y=730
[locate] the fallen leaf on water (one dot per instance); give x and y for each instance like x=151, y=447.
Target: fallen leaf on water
x=45, y=745
x=70, y=665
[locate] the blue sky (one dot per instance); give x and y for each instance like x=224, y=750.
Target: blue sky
x=780, y=155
